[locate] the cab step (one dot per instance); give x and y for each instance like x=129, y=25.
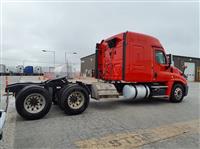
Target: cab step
x=159, y=86
x=160, y=96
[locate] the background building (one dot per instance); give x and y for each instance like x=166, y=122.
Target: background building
x=192, y=71
x=88, y=65
x=193, y=66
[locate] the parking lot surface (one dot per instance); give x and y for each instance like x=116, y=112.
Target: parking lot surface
x=111, y=123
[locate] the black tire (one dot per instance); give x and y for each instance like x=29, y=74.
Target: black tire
x=67, y=95
x=54, y=96
x=59, y=95
x=23, y=95
x=55, y=100
x=1, y=135
x=177, y=93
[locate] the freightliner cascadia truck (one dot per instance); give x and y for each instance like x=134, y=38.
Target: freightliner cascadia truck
x=128, y=64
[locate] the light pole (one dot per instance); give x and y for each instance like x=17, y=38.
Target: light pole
x=66, y=55
x=66, y=63
x=54, y=56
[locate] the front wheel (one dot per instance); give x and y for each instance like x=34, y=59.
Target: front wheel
x=177, y=93
x=75, y=99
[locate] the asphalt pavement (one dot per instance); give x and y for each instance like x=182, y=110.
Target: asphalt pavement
x=110, y=118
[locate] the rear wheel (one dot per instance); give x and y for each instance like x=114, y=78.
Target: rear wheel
x=1, y=135
x=177, y=93
x=59, y=95
x=33, y=102
x=75, y=99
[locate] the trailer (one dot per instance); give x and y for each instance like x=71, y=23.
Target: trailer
x=128, y=64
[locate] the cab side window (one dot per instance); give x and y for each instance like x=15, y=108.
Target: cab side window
x=160, y=57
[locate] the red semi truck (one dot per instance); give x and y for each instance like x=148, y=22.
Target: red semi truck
x=130, y=64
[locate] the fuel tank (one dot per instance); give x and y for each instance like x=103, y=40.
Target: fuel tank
x=136, y=92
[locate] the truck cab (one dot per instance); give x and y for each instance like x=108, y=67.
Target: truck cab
x=135, y=58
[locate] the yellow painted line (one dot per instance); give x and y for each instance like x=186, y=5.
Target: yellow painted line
x=140, y=137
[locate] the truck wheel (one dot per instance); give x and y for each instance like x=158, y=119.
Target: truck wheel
x=59, y=95
x=33, y=102
x=75, y=99
x=177, y=93
x=1, y=136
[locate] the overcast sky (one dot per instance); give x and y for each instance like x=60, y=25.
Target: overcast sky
x=77, y=27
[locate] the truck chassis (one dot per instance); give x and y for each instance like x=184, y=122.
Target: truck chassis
x=34, y=100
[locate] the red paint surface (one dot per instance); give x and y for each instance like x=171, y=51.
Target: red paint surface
x=140, y=62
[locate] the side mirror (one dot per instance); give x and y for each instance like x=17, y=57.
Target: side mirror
x=184, y=67
x=169, y=59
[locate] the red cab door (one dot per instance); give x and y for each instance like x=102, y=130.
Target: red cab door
x=161, y=72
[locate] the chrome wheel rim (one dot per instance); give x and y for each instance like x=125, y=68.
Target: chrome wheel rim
x=34, y=103
x=75, y=100
x=178, y=93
